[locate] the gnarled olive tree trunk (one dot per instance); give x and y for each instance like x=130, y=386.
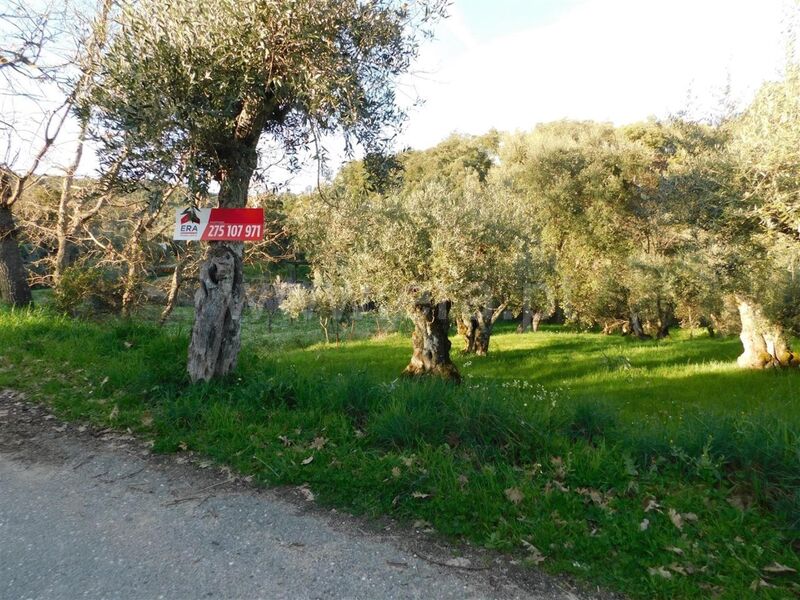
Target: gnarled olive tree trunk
x=14, y=288
x=477, y=329
x=666, y=317
x=764, y=342
x=467, y=327
x=636, y=327
x=431, y=346
x=219, y=300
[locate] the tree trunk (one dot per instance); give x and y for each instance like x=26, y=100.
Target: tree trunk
x=218, y=305
x=764, y=342
x=431, y=346
x=66, y=255
x=14, y=288
x=527, y=317
x=536, y=320
x=666, y=315
x=174, y=289
x=135, y=262
x=218, y=302
x=483, y=335
x=467, y=327
x=477, y=329
x=636, y=327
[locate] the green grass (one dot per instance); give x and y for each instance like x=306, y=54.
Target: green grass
x=557, y=440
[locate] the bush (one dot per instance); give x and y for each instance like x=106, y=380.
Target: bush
x=83, y=289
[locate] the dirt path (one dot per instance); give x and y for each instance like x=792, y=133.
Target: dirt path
x=93, y=514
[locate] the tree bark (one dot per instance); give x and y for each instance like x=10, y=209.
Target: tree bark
x=536, y=320
x=483, y=334
x=218, y=305
x=666, y=315
x=431, y=346
x=526, y=323
x=477, y=329
x=174, y=289
x=467, y=327
x=764, y=342
x=218, y=302
x=14, y=288
x=636, y=327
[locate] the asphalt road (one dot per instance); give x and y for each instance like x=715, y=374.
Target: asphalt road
x=88, y=514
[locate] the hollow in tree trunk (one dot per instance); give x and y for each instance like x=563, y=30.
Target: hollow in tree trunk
x=764, y=342
x=14, y=288
x=431, y=346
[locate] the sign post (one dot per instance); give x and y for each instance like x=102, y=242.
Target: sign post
x=219, y=224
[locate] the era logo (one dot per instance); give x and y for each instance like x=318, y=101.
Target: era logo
x=188, y=228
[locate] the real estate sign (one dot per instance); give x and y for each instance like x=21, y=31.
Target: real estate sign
x=219, y=224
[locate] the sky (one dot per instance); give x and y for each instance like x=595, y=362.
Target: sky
x=510, y=64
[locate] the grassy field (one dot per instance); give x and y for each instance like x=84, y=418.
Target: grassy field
x=654, y=468
x=649, y=381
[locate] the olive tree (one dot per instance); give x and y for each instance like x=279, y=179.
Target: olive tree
x=766, y=148
x=421, y=252
x=202, y=82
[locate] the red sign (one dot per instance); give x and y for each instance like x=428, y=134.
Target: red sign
x=220, y=224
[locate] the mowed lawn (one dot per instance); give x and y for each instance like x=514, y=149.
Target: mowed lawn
x=644, y=380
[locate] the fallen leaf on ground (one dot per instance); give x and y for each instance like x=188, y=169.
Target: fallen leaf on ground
x=319, y=443
x=777, y=568
x=676, y=568
x=674, y=549
x=759, y=583
x=306, y=493
x=651, y=504
x=660, y=571
x=558, y=464
x=421, y=524
x=285, y=440
x=459, y=561
x=308, y=460
x=514, y=495
x=395, y=472
x=676, y=518
x=740, y=502
x=420, y=495
x=555, y=484
x=534, y=554
x=644, y=524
